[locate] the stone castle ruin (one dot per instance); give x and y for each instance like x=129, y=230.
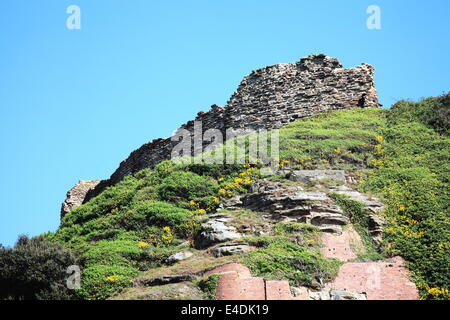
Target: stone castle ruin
x=268, y=98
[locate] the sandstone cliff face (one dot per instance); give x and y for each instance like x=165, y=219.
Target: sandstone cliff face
x=267, y=99
x=76, y=195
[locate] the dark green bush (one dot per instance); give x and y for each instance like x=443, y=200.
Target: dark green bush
x=209, y=285
x=156, y=213
x=433, y=112
x=214, y=170
x=182, y=186
x=35, y=269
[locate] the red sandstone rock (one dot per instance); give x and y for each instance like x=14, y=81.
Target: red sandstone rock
x=379, y=280
x=341, y=246
x=278, y=290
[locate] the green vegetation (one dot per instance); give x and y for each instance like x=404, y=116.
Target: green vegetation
x=401, y=155
x=281, y=258
x=413, y=179
x=433, y=112
x=360, y=220
x=209, y=285
x=291, y=253
x=332, y=140
x=35, y=269
x=138, y=223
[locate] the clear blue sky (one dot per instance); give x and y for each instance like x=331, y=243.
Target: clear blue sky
x=74, y=103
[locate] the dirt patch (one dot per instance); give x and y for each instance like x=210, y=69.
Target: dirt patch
x=176, y=291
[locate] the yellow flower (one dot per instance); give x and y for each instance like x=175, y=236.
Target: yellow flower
x=438, y=291
x=193, y=203
x=378, y=148
x=283, y=163
x=377, y=163
x=112, y=278
x=401, y=208
x=220, y=179
x=166, y=229
x=142, y=244
x=222, y=191
x=337, y=150
x=201, y=211
x=379, y=139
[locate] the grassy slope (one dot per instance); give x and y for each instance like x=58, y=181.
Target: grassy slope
x=120, y=233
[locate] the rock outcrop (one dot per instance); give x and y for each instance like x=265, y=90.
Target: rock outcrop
x=76, y=195
x=267, y=99
x=216, y=230
x=292, y=204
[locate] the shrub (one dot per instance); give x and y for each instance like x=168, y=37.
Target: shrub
x=341, y=139
x=433, y=112
x=182, y=186
x=156, y=213
x=114, y=253
x=214, y=170
x=282, y=259
x=35, y=269
x=102, y=281
x=209, y=285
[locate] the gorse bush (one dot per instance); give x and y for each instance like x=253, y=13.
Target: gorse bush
x=280, y=258
x=291, y=253
x=35, y=269
x=414, y=182
x=332, y=140
x=434, y=112
x=101, y=281
x=209, y=285
x=182, y=186
x=155, y=213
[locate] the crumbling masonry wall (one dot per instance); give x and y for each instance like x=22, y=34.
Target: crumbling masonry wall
x=267, y=99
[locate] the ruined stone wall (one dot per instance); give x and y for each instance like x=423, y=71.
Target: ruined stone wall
x=268, y=98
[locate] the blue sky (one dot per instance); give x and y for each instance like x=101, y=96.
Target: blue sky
x=74, y=103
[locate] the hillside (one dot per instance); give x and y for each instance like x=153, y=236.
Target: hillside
x=357, y=189
x=132, y=228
